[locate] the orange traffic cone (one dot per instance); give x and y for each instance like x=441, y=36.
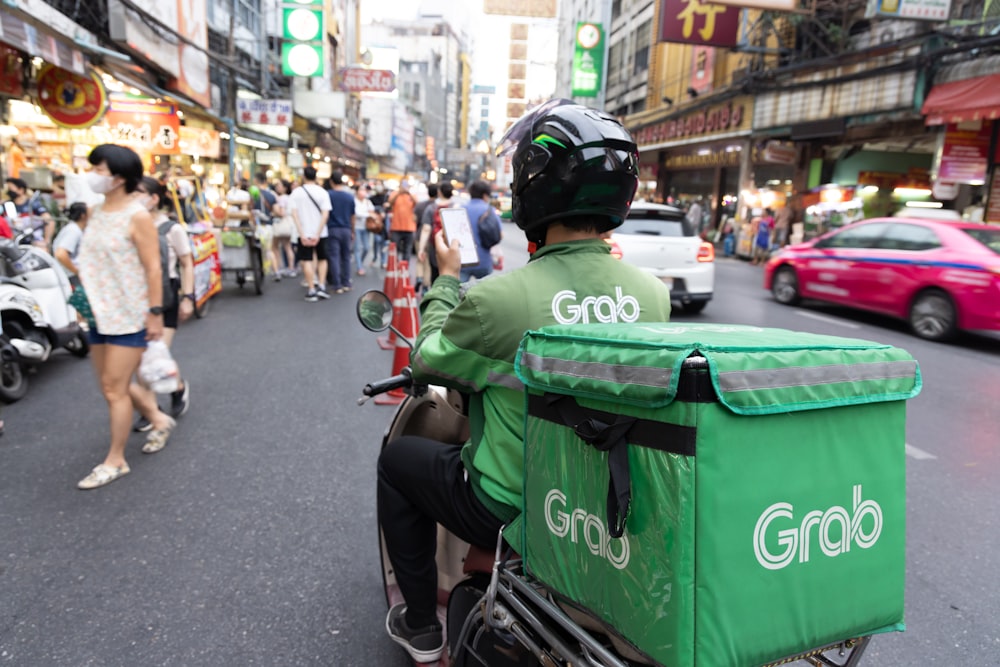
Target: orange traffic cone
x=391, y=288
x=405, y=314
x=398, y=302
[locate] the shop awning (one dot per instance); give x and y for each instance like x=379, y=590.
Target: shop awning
x=972, y=99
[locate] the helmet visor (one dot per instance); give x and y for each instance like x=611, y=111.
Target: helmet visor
x=525, y=124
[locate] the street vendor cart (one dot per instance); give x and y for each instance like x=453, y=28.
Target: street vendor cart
x=240, y=251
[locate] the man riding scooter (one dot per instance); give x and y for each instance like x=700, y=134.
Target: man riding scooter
x=575, y=173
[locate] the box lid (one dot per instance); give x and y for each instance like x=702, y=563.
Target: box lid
x=754, y=370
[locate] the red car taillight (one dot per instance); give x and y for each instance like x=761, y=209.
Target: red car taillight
x=706, y=253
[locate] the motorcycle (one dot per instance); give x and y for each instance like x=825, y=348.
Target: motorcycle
x=493, y=612
x=37, y=317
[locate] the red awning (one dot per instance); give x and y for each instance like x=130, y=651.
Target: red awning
x=960, y=101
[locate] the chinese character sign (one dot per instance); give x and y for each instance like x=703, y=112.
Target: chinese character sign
x=264, y=112
x=588, y=60
x=144, y=126
x=699, y=22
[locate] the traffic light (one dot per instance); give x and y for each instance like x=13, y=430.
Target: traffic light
x=303, y=28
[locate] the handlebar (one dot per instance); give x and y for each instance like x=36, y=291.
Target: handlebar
x=401, y=381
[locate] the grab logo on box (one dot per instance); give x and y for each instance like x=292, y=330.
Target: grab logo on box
x=797, y=539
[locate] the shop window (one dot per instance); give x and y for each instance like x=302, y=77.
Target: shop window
x=642, y=38
x=909, y=237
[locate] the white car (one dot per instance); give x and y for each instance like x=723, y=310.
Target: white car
x=659, y=239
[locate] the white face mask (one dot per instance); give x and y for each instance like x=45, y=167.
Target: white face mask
x=100, y=183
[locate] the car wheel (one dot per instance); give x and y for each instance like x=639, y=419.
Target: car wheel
x=693, y=307
x=785, y=286
x=933, y=316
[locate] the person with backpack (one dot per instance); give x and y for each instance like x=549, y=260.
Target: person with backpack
x=486, y=230
x=430, y=222
x=178, y=288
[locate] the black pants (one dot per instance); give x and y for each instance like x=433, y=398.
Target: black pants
x=404, y=244
x=422, y=482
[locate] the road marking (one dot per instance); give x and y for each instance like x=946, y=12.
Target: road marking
x=918, y=454
x=828, y=320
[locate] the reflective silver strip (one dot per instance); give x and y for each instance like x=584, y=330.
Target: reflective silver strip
x=505, y=380
x=591, y=370
x=420, y=364
x=804, y=376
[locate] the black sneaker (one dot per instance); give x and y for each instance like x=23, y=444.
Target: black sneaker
x=311, y=296
x=142, y=425
x=321, y=293
x=180, y=401
x=423, y=644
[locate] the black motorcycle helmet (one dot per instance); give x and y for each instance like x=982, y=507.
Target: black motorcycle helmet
x=570, y=161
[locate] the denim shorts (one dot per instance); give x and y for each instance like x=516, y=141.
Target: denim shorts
x=137, y=339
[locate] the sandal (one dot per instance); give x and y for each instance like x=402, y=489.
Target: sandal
x=158, y=438
x=103, y=474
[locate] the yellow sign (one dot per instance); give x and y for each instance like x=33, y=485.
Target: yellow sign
x=544, y=9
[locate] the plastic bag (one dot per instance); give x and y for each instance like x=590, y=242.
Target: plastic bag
x=496, y=254
x=158, y=369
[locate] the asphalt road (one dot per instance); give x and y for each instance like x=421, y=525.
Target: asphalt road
x=250, y=539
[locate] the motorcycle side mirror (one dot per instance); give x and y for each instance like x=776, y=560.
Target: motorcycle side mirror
x=375, y=310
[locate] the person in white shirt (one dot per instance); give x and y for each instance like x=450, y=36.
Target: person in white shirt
x=67, y=244
x=363, y=209
x=310, y=207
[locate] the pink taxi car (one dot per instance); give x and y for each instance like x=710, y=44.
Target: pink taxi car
x=940, y=277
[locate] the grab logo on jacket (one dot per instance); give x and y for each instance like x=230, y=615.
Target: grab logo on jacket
x=567, y=308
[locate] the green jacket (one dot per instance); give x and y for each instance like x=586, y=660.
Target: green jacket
x=469, y=343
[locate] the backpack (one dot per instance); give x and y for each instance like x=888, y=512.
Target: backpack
x=169, y=293
x=489, y=228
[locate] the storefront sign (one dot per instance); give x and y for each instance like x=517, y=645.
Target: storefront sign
x=772, y=5
x=145, y=126
x=699, y=22
x=920, y=10
x=147, y=38
x=702, y=68
x=729, y=117
x=207, y=269
x=11, y=72
x=704, y=157
x=965, y=155
x=362, y=80
x=44, y=45
x=193, y=81
x=264, y=112
x=200, y=142
x=545, y=9
x=779, y=152
x=588, y=60
x=69, y=99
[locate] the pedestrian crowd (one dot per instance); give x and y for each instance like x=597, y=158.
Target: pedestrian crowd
x=129, y=261
x=336, y=230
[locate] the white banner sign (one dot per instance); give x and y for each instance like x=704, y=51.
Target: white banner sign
x=920, y=10
x=264, y=112
x=773, y=5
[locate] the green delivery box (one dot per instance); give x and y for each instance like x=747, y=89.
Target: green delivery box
x=722, y=495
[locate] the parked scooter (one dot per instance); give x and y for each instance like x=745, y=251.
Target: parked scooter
x=496, y=614
x=37, y=317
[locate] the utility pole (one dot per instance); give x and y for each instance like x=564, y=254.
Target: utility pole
x=231, y=93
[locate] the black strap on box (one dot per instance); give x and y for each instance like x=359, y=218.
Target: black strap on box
x=613, y=433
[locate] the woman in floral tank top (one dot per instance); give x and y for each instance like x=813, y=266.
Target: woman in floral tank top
x=119, y=267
